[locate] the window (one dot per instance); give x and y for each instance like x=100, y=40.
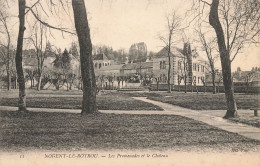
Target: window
x=198, y=67
x=96, y=65
x=162, y=65
x=179, y=65
x=198, y=80
x=194, y=80
x=163, y=78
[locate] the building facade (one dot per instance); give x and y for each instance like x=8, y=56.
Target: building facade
x=100, y=61
x=185, y=65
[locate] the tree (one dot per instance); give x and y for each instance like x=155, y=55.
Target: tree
x=103, y=49
x=209, y=47
x=74, y=50
x=6, y=55
x=66, y=69
x=187, y=65
x=249, y=77
x=87, y=68
x=120, y=55
x=30, y=74
x=219, y=79
x=240, y=20
x=19, y=58
x=180, y=77
x=38, y=39
x=157, y=80
x=173, y=23
x=62, y=70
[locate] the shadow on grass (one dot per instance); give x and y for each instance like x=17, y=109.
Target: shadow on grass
x=63, y=131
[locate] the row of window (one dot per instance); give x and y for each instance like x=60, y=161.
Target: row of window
x=99, y=65
x=195, y=80
x=198, y=80
x=195, y=67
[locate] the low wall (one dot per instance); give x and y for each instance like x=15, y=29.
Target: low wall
x=237, y=89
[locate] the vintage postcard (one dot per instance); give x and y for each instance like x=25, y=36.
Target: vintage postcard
x=127, y=82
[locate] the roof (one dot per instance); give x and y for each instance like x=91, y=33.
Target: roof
x=174, y=52
x=199, y=59
x=100, y=57
x=134, y=66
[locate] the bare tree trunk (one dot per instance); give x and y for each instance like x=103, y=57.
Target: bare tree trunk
x=9, y=79
x=179, y=83
x=169, y=72
x=4, y=21
x=191, y=87
x=15, y=81
x=214, y=82
x=87, y=69
x=31, y=83
x=8, y=64
x=185, y=83
x=39, y=81
x=19, y=58
x=225, y=61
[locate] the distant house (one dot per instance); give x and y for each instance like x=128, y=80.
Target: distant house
x=246, y=76
x=137, y=68
x=29, y=59
x=48, y=62
x=112, y=70
x=189, y=65
x=101, y=60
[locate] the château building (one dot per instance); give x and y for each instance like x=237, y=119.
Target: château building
x=185, y=63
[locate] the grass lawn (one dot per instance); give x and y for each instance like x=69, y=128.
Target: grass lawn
x=205, y=101
x=208, y=101
x=73, y=100
x=121, y=100
x=64, y=131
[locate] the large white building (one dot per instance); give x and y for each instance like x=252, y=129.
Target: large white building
x=189, y=65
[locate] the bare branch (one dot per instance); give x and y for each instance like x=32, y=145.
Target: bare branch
x=48, y=25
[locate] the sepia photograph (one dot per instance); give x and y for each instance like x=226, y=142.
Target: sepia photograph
x=129, y=82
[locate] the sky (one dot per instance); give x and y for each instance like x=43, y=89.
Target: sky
x=120, y=23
